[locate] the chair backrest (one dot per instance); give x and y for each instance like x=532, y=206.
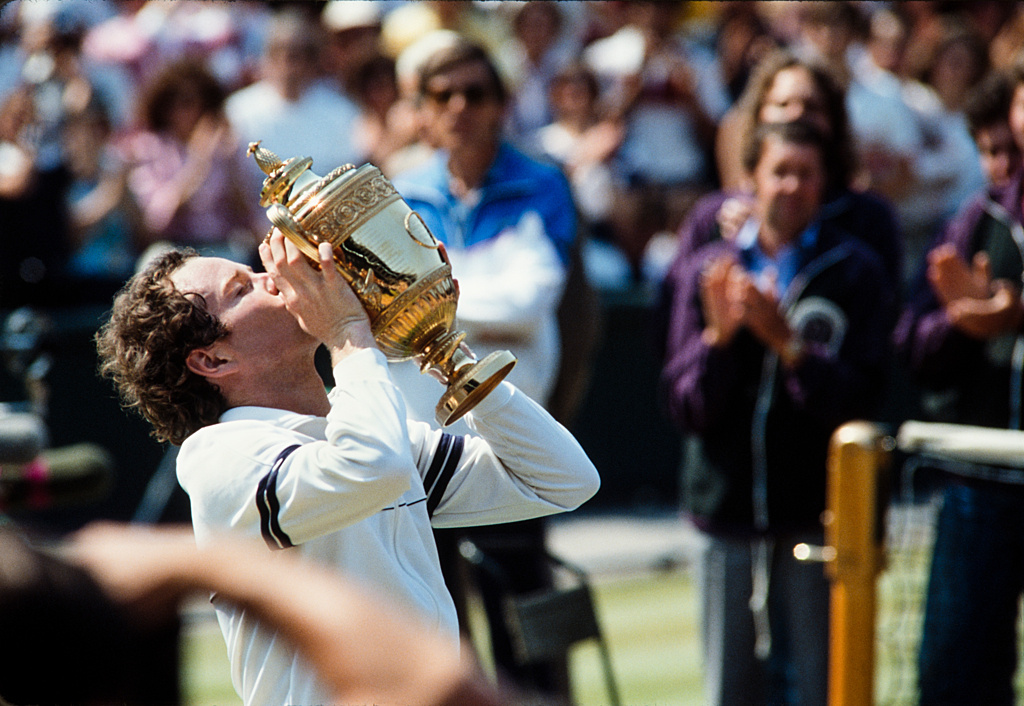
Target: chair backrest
x=546, y=624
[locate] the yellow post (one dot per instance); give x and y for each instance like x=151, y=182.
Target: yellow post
x=858, y=456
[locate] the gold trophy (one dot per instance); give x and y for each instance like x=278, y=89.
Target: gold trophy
x=393, y=263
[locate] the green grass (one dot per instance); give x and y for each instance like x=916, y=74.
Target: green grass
x=650, y=623
x=205, y=675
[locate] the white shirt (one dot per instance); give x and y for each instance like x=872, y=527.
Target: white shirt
x=357, y=492
x=509, y=290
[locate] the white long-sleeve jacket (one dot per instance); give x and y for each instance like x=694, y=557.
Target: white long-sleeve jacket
x=359, y=491
x=509, y=289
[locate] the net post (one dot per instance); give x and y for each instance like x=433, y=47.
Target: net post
x=859, y=456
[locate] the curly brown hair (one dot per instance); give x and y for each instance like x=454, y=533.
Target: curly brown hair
x=144, y=345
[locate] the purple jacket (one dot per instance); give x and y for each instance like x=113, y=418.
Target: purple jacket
x=968, y=381
x=759, y=433
x=866, y=216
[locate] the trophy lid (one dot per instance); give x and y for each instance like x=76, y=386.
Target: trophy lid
x=281, y=176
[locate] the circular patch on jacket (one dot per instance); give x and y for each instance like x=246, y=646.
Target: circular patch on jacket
x=820, y=321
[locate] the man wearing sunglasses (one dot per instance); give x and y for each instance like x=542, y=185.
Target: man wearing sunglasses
x=508, y=221
x=509, y=224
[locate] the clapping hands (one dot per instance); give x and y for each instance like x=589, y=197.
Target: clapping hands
x=733, y=299
x=976, y=304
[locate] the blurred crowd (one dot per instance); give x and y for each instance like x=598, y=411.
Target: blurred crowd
x=124, y=127
x=123, y=123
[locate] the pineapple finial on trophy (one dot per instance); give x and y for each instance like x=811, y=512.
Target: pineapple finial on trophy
x=266, y=160
x=281, y=175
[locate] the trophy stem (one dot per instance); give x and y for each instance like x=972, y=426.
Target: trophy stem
x=472, y=382
x=443, y=355
x=468, y=380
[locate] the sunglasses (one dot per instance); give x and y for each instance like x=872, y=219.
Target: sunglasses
x=473, y=94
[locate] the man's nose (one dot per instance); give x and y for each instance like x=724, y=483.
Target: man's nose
x=458, y=102
x=791, y=184
x=799, y=110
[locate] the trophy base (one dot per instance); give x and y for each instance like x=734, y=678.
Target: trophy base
x=471, y=384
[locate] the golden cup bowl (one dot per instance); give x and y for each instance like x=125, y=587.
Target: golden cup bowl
x=392, y=261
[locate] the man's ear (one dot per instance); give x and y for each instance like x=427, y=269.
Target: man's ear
x=211, y=362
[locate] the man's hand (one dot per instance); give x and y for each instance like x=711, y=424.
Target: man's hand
x=719, y=286
x=731, y=299
x=761, y=314
x=320, y=300
x=146, y=568
x=990, y=317
x=731, y=216
x=952, y=279
x=976, y=304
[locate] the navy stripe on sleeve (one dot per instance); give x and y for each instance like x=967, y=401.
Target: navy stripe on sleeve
x=440, y=455
x=442, y=468
x=269, y=506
